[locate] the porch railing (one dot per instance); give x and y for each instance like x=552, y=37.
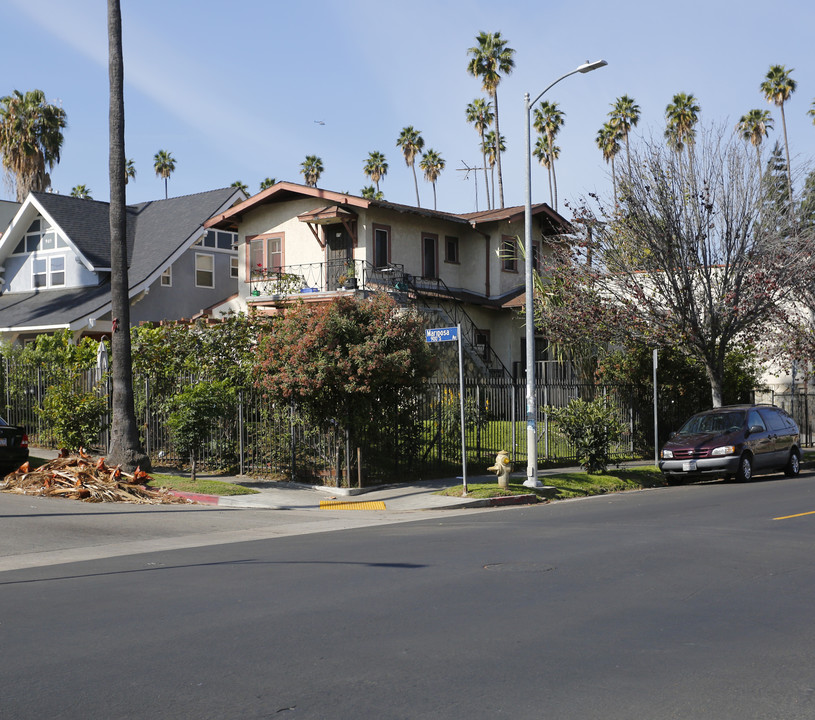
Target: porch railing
x=329, y=276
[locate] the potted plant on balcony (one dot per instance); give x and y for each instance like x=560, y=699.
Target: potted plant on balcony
x=348, y=279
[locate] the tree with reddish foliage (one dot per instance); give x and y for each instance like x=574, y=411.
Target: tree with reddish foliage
x=356, y=364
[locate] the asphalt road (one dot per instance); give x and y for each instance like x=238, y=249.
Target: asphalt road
x=687, y=602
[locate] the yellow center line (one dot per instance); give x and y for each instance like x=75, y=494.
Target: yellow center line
x=787, y=517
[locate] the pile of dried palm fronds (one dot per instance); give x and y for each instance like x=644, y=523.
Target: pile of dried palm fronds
x=81, y=477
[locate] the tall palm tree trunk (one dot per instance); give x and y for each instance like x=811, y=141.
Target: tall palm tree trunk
x=787, y=149
x=124, y=438
x=416, y=184
x=498, y=151
x=484, y=163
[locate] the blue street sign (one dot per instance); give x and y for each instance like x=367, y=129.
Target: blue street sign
x=441, y=334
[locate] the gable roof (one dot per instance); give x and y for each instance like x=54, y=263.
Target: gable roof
x=158, y=232
x=287, y=191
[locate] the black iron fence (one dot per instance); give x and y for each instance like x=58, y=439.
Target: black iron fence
x=269, y=439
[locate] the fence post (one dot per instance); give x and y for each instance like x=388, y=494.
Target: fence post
x=147, y=415
x=39, y=403
x=240, y=429
x=7, y=367
x=291, y=443
x=514, y=418
x=439, y=419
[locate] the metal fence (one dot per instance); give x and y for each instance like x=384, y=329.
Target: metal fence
x=268, y=439
x=800, y=405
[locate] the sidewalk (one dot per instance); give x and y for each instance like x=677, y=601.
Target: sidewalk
x=400, y=498
x=403, y=497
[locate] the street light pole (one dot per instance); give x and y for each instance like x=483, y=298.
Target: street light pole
x=529, y=307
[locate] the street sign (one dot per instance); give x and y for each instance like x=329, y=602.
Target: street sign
x=449, y=334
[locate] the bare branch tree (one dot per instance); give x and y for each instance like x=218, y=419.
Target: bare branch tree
x=698, y=257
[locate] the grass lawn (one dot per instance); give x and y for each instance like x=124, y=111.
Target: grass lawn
x=574, y=484
x=205, y=486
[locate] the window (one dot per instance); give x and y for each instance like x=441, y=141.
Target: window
x=48, y=271
x=382, y=246
x=204, y=270
x=430, y=255
x=218, y=239
x=40, y=268
x=39, y=237
x=57, y=270
x=233, y=267
x=167, y=277
x=509, y=254
x=265, y=255
x=451, y=249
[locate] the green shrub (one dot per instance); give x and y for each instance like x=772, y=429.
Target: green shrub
x=201, y=413
x=74, y=417
x=591, y=427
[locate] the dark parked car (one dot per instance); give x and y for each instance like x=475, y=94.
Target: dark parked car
x=13, y=447
x=737, y=441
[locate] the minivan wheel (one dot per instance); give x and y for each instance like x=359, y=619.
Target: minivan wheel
x=745, y=471
x=793, y=466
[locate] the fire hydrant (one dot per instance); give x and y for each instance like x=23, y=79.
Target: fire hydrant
x=502, y=468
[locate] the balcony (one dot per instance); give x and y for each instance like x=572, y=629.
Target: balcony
x=326, y=277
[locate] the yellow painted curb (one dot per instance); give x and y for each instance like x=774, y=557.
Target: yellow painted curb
x=352, y=505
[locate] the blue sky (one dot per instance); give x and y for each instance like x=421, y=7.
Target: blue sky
x=233, y=90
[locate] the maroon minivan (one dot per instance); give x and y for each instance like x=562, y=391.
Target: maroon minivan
x=736, y=441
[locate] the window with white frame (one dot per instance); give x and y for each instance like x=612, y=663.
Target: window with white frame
x=48, y=271
x=233, y=267
x=219, y=239
x=204, y=270
x=40, y=237
x=167, y=277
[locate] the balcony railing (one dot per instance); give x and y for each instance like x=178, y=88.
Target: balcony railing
x=330, y=276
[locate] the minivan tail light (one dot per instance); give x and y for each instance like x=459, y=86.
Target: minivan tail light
x=24, y=441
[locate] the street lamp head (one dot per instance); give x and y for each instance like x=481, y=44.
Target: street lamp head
x=589, y=66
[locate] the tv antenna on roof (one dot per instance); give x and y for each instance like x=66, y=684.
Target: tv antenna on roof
x=467, y=169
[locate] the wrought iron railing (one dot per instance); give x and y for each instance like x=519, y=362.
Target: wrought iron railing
x=329, y=276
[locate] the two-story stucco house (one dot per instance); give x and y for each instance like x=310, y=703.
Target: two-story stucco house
x=302, y=242
x=55, y=263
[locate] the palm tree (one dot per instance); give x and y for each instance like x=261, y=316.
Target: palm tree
x=811, y=112
x=753, y=127
x=240, y=186
x=492, y=149
x=130, y=170
x=164, y=165
x=548, y=121
x=546, y=155
x=124, y=435
x=608, y=140
x=625, y=114
x=30, y=139
x=311, y=169
x=369, y=192
x=432, y=164
x=777, y=88
x=412, y=144
x=681, y=116
x=489, y=59
x=375, y=167
x=81, y=191
x=266, y=183
x=479, y=113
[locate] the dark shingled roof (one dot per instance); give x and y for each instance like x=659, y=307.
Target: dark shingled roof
x=155, y=231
